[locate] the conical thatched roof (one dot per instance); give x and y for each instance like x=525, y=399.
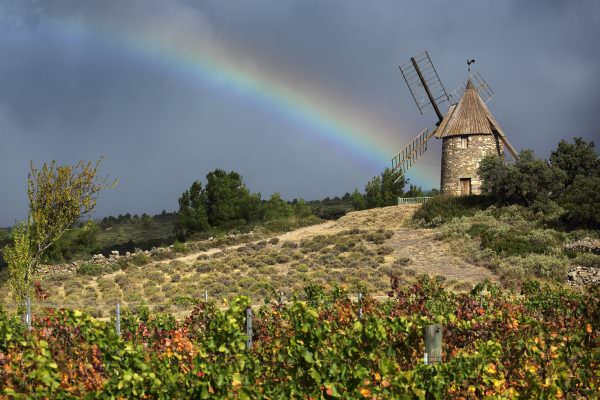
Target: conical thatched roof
x=469, y=117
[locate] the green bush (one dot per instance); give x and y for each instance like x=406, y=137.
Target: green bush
x=140, y=259
x=179, y=247
x=538, y=265
x=442, y=209
x=512, y=244
x=91, y=269
x=582, y=203
x=527, y=181
x=588, y=260
x=511, y=241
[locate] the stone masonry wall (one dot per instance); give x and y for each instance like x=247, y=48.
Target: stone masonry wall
x=460, y=163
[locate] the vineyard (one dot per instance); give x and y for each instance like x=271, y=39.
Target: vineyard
x=543, y=343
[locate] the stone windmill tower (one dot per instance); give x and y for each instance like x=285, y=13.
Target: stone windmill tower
x=468, y=130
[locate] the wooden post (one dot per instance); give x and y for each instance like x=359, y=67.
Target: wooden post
x=28, y=311
x=249, y=332
x=360, y=309
x=118, y=319
x=206, y=296
x=433, y=344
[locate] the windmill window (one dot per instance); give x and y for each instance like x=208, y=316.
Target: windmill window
x=463, y=142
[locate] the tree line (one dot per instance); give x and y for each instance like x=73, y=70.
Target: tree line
x=225, y=202
x=567, y=183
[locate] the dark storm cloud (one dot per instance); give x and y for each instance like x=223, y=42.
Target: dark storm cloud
x=70, y=96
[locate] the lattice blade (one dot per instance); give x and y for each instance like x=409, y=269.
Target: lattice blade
x=413, y=151
x=429, y=77
x=483, y=88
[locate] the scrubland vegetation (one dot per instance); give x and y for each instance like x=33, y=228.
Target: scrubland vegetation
x=529, y=211
x=258, y=265
x=512, y=241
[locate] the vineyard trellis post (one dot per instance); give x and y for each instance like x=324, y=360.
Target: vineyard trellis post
x=360, y=308
x=118, y=319
x=28, y=311
x=433, y=344
x=249, y=332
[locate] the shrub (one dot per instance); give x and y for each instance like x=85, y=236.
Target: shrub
x=577, y=159
x=527, y=181
x=90, y=269
x=156, y=277
x=179, y=247
x=385, y=250
x=122, y=280
x=512, y=242
x=140, y=259
x=280, y=225
x=582, y=203
x=204, y=267
x=302, y=267
x=588, y=260
x=379, y=236
x=442, y=209
x=402, y=261
x=105, y=283
x=58, y=277
x=539, y=265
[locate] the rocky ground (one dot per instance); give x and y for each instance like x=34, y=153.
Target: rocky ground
x=584, y=275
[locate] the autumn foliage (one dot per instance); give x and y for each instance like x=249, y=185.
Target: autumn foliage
x=542, y=344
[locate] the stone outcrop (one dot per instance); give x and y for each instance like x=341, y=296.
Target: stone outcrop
x=584, y=275
x=586, y=245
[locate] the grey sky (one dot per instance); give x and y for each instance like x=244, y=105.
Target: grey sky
x=70, y=96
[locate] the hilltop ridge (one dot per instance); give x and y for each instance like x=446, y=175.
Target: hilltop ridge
x=360, y=251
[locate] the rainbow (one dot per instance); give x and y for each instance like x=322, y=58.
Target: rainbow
x=326, y=118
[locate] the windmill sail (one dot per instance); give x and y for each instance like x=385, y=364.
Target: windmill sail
x=413, y=151
x=483, y=88
x=424, y=83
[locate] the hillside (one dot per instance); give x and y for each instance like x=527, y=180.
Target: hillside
x=359, y=251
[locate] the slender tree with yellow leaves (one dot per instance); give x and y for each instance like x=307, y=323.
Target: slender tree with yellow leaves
x=59, y=196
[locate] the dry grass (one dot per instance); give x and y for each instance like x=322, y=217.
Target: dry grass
x=360, y=251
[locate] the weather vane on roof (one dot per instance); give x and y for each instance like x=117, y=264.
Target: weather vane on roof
x=469, y=62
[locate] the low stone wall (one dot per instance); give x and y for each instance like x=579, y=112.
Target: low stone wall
x=588, y=275
x=96, y=259
x=583, y=276
x=586, y=245
x=115, y=256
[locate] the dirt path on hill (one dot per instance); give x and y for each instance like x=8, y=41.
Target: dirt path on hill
x=427, y=254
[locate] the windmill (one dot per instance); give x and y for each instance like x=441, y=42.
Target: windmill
x=468, y=130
